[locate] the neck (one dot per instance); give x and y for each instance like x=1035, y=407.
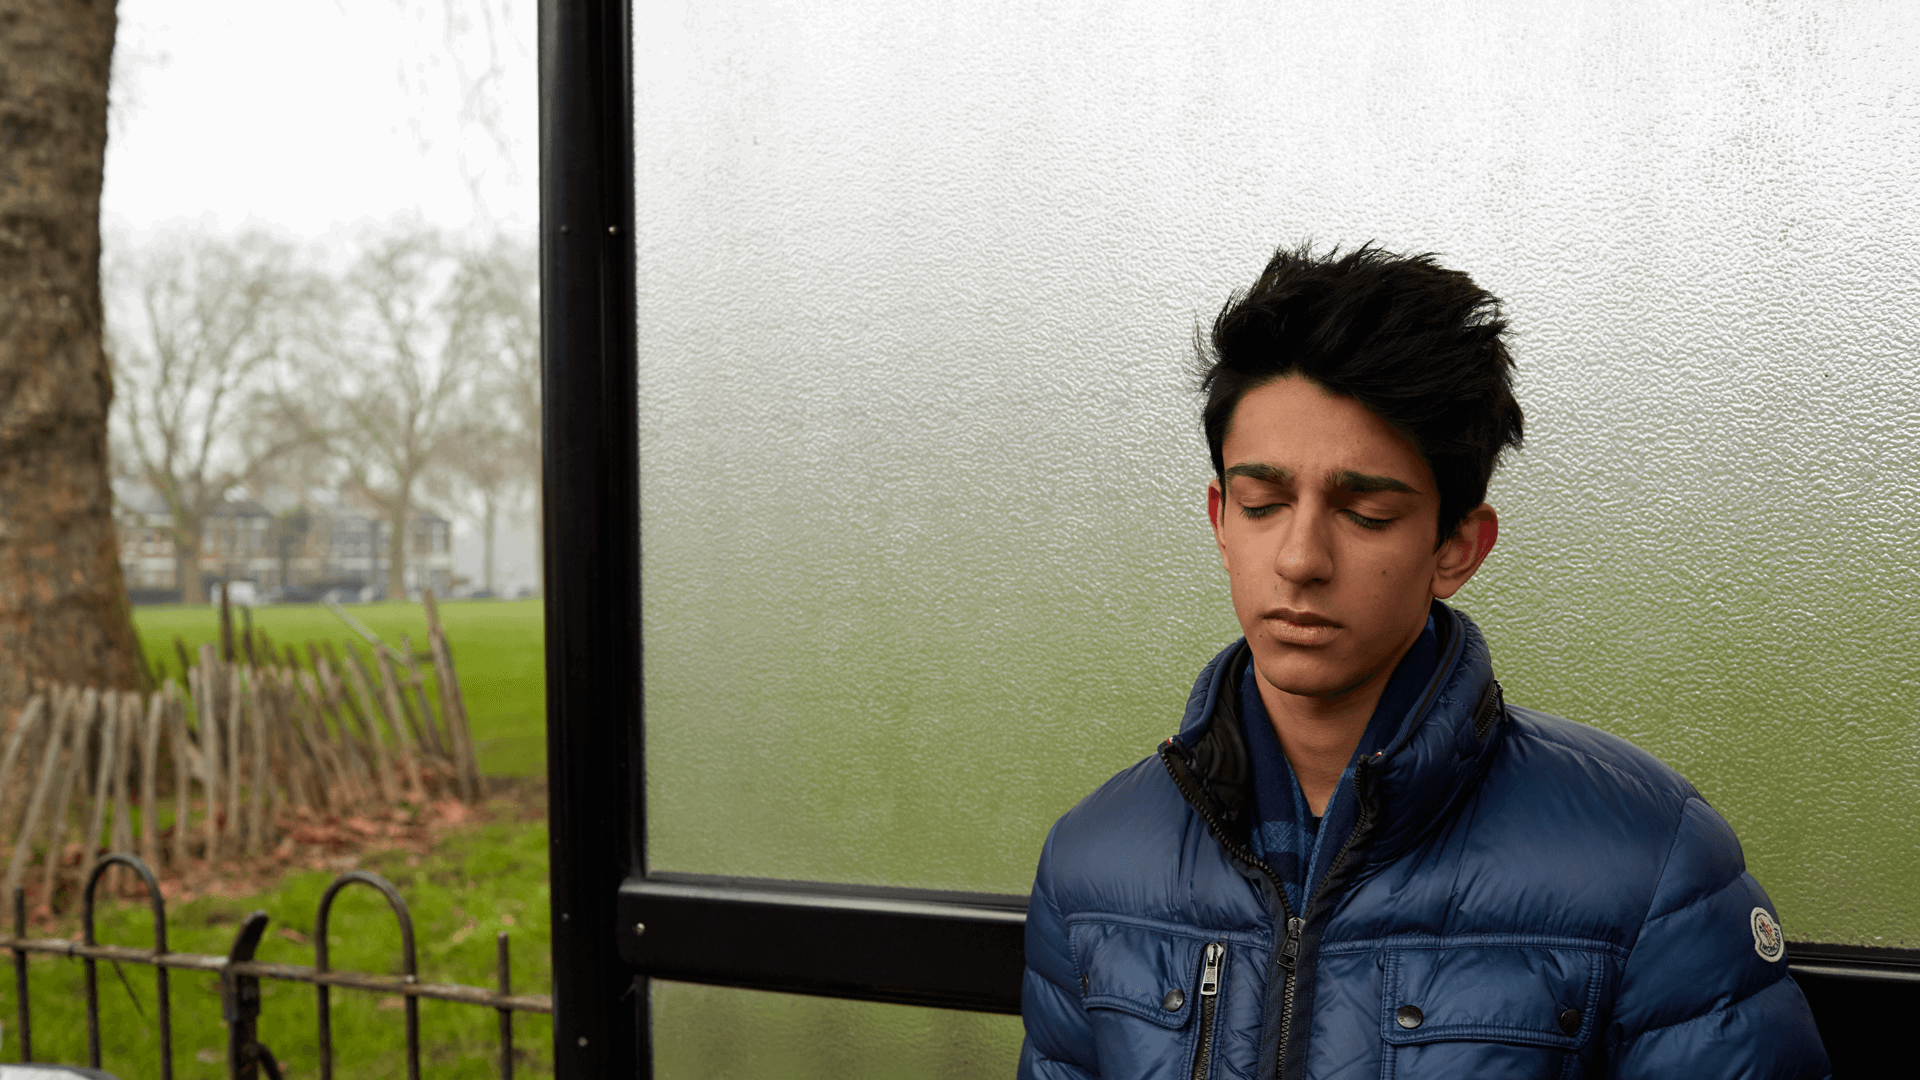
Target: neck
x=1319, y=733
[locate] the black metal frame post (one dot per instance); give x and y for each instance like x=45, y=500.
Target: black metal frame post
x=590, y=406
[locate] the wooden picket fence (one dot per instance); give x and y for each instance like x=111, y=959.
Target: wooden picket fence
x=257, y=737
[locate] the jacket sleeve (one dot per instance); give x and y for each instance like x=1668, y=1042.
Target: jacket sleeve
x=1059, y=1042
x=1701, y=995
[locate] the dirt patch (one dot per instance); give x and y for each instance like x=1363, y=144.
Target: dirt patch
x=303, y=842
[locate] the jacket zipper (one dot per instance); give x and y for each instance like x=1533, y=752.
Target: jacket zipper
x=1289, y=957
x=1290, y=950
x=1290, y=946
x=1183, y=781
x=1209, y=1003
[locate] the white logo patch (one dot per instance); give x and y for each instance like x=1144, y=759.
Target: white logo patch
x=1768, y=941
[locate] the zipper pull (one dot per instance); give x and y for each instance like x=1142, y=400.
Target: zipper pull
x=1290, y=949
x=1210, y=973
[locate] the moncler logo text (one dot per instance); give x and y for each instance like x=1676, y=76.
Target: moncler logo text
x=1768, y=941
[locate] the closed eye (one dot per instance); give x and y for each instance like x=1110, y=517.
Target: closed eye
x=1366, y=522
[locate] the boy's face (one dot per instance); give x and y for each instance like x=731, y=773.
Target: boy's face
x=1326, y=527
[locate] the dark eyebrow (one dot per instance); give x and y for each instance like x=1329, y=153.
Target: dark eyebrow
x=1365, y=483
x=1254, y=470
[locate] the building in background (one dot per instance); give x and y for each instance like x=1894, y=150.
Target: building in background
x=317, y=548
x=146, y=542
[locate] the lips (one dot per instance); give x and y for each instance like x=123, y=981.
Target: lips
x=1299, y=627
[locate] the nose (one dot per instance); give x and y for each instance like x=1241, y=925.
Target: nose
x=1302, y=554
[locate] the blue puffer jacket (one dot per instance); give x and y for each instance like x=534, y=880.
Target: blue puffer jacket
x=1516, y=896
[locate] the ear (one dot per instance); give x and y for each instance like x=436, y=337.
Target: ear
x=1465, y=550
x=1216, y=513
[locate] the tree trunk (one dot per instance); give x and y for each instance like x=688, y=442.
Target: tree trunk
x=63, y=603
x=397, y=550
x=486, y=572
x=186, y=566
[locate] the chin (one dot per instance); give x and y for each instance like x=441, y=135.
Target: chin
x=1305, y=677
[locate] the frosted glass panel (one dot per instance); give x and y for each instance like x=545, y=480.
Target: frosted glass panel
x=925, y=543
x=709, y=1032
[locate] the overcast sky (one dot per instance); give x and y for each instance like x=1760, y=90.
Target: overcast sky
x=316, y=114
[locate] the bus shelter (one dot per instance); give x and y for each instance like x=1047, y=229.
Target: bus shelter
x=874, y=487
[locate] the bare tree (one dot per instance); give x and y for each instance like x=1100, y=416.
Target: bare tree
x=499, y=457
x=476, y=46
x=195, y=321
x=394, y=368
x=63, y=603
x=500, y=288
x=486, y=480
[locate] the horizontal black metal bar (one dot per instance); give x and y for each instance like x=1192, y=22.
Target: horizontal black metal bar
x=1893, y=978
x=953, y=950
x=351, y=980
x=1860, y=997
x=964, y=950
x=1864, y=961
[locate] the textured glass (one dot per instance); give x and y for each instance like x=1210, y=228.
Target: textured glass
x=923, y=491
x=710, y=1032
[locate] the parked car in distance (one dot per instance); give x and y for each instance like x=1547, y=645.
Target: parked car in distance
x=238, y=593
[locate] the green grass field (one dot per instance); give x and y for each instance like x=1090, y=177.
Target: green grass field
x=498, y=651
x=476, y=884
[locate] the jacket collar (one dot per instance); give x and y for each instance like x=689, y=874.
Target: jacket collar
x=1438, y=755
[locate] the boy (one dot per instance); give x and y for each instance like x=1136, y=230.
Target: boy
x=1355, y=859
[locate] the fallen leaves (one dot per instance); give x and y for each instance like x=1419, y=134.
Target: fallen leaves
x=307, y=840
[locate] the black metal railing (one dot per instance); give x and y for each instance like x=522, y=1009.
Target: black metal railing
x=240, y=974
